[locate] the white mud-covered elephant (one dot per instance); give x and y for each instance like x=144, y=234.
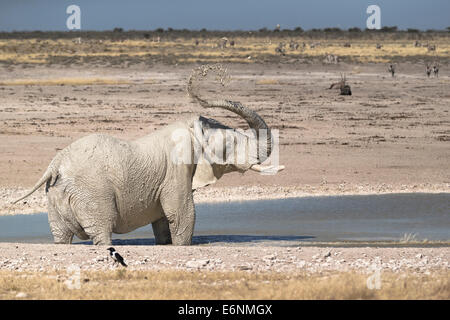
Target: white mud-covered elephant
x=101, y=185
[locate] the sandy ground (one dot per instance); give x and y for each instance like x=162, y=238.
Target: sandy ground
x=391, y=135
x=40, y=257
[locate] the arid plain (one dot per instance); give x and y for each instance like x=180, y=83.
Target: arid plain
x=392, y=135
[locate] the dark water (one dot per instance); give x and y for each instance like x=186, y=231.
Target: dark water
x=308, y=219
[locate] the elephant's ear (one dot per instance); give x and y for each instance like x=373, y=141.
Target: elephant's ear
x=206, y=174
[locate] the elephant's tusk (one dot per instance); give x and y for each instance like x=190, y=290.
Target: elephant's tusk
x=266, y=169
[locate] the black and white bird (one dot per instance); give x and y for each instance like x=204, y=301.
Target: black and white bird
x=116, y=256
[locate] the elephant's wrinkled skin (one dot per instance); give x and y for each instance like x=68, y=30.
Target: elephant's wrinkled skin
x=100, y=184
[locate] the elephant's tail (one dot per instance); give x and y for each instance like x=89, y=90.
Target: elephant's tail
x=51, y=174
x=47, y=176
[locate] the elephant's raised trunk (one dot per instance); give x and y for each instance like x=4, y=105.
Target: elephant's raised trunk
x=253, y=119
x=255, y=122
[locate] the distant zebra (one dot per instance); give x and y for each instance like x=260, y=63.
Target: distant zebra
x=293, y=45
x=436, y=70
x=331, y=58
x=280, y=49
x=428, y=70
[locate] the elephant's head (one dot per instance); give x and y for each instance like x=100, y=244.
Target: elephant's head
x=219, y=149
x=216, y=149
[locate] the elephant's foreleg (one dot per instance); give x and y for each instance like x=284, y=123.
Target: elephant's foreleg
x=180, y=212
x=161, y=231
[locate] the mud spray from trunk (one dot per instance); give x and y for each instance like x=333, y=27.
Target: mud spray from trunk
x=253, y=119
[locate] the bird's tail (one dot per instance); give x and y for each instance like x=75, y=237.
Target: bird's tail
x=123, y=263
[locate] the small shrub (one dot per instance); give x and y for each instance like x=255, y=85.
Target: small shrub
x=354, y=29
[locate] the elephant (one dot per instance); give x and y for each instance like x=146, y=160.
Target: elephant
x=100, y=185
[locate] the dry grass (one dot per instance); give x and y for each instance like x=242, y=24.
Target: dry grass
x=63, y=81
x=71, y=82
x=123, y=284
x=246, y=50
x=365, y=51
x=409, y=238
x=267, y=81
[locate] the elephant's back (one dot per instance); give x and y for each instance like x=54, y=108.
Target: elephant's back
x=99, y=144
x=94, y=155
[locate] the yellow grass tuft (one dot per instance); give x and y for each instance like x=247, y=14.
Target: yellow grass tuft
x=267, y=81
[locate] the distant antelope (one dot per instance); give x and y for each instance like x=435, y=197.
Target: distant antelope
x=436, y=70
x=417, y=44
x=232, y=43
x=428, y=70
x=197, y=42
x=432, y=47
x=379, y=46
x=344, y=88
x=391, y=69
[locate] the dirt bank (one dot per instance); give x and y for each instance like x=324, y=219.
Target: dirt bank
x=48, y=257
